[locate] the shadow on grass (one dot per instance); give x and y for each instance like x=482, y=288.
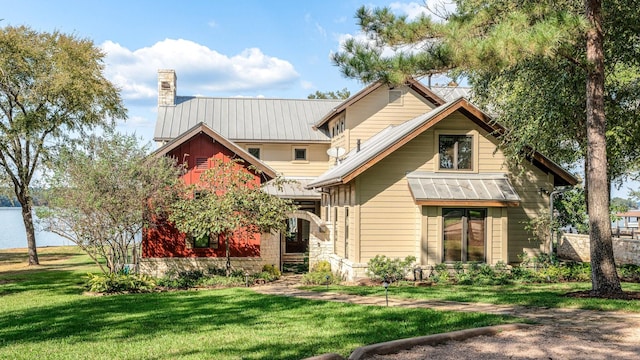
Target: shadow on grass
x=244, y=324
x=528, y=295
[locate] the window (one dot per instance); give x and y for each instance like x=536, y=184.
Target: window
x=346, y=232
x=300, y=154
x=455, y=152
x=464, y=235
x=205, y=242
x=255, y=152
x=335, y=230
x=338, y=127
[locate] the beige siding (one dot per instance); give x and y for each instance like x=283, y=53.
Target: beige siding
x=280, y=158
x=341, y=200
x=373, y=113
x=389, y=218
x=391, y=223
x=533, y=205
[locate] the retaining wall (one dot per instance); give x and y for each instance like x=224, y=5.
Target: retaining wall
x=576, y=247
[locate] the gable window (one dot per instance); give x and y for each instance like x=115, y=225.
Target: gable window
x=455, y=152
x=299, y=154
x=464, y=235
x=254, y=151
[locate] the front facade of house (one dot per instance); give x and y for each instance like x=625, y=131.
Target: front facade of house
x=413, y=171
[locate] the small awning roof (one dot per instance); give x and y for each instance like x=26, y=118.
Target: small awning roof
x=292, y=188
x=448, y=189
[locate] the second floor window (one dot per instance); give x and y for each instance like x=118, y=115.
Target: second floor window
x=255, y=152
x=300, y=154
x=455, y=152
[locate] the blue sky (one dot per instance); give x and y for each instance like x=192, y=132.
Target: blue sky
x=275, y=49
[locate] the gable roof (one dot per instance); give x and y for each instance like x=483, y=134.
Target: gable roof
x=246, y=119
x=391, y=138
x=202, y=128
x=412, y=84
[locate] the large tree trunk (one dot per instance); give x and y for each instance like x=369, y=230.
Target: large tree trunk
x=604, y=278
x=27, y=218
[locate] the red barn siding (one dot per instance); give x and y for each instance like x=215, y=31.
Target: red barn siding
x=164, y=240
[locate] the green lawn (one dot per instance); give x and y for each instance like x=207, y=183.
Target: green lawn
x=535, y=295
x=43, y=315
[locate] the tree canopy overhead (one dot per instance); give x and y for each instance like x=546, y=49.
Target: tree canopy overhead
x=51, y=88
x=541, y=67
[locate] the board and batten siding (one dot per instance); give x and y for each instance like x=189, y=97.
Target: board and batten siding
x=373, y=113
x=280, y=158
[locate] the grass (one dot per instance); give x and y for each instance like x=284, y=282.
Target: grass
x=44, y=315
x=534, y=295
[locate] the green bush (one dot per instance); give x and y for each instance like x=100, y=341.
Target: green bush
x=383, y=268
x=320, y=274
x=183, y=279
x=629, y=273
x=319, y=278
x=272, y=270
x=321, y=266
x=117, y=283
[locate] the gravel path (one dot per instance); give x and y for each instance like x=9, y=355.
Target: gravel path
x=561, y=333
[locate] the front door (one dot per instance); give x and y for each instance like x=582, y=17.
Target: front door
x=297, y=239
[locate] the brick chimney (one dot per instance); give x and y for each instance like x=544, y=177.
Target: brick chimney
x=167, y=87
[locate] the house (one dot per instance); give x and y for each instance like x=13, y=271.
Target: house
x=164, y=247
x=397, y=171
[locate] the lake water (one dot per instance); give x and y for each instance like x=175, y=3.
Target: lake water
x=13, y=235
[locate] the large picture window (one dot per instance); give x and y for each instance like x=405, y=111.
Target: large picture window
x=464, y=235
x=455, y=152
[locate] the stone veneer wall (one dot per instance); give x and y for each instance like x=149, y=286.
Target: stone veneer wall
x=576, y=247
x=269, y=254
x=158, y=267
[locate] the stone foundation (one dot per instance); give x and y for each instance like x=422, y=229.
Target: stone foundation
x=159, y=267
x=576, y=247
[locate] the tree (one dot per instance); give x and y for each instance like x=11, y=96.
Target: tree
x=485, y=36
x=228, y=203
x=51, y=88
x=103, y=193
x=340, y=94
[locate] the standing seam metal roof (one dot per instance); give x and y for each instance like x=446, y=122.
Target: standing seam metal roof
x=472, y=187
x=246, y=119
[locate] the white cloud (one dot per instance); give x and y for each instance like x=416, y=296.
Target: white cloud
x=306, y=84
x=199, y=69
x=212, y=24
x=412, y=10
x=436, y=9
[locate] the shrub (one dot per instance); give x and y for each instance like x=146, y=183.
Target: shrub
x=319, y=278
x=182, y=279
x=269, y=273
x=320, y=275
x=115, y=283
x=383, y=268
x=321, y=266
